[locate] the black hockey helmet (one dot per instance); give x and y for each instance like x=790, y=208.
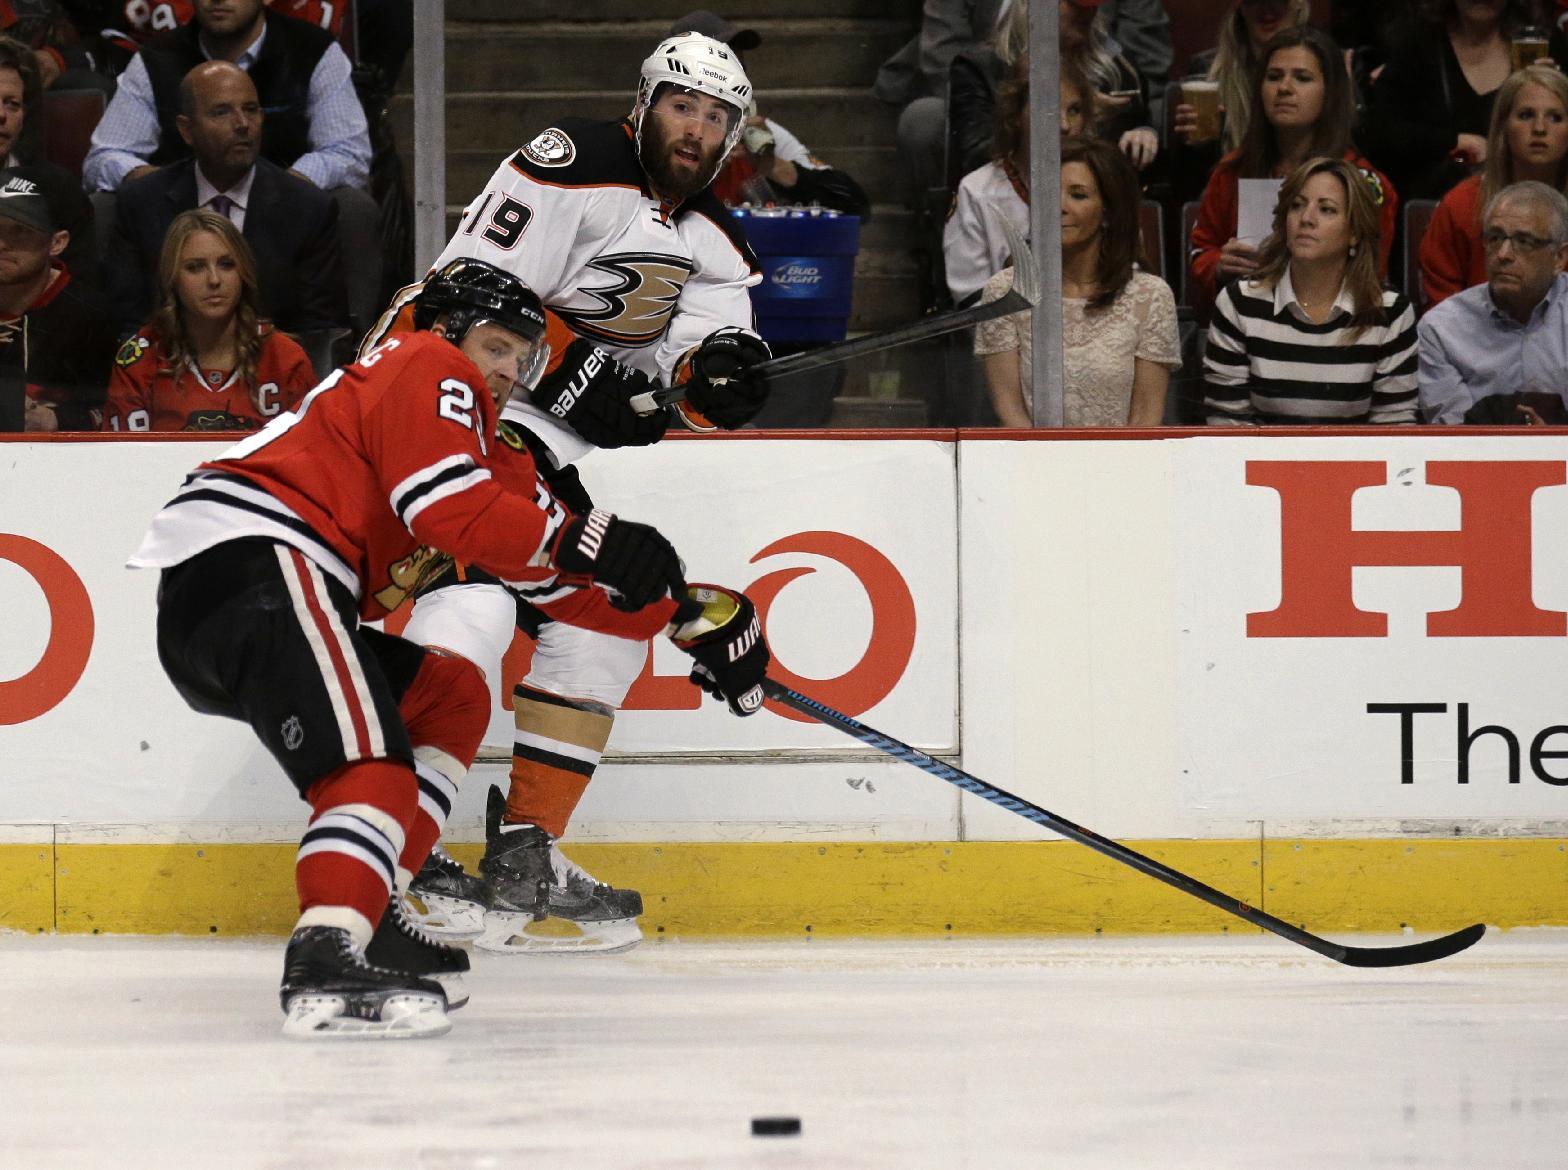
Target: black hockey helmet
x=469, y=291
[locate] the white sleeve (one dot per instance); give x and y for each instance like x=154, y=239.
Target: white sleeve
x=127, y=134
x=791, y=149
x=965, y=249
x=714, y=297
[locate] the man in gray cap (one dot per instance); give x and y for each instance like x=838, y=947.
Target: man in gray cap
x=55, y=341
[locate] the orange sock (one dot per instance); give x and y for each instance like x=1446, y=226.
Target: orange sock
x=558, y=745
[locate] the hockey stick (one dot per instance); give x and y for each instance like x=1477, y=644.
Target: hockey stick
x=1397, y=956
x=1023, y=295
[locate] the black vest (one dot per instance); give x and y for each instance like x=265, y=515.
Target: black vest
x=281, y=74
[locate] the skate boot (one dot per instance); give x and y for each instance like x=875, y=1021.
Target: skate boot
x=445, y=900
x=399, y=945
x=330, y=992
x=518, y=877
x=583, y=914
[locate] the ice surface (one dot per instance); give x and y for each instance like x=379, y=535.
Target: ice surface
x=1171, y=1053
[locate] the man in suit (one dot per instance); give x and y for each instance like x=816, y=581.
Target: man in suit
x=290, y=224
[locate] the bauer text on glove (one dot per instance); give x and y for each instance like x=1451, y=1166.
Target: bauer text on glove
x=591, y=392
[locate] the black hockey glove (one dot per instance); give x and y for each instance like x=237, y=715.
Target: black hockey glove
x=725, y=638
x=724, y=387
x=632, y=560
x=590, y=391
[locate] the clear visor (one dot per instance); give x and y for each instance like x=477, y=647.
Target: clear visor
x=693, y=105
x=532, y=356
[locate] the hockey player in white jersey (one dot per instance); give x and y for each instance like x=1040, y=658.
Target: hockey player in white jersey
x=645, y=277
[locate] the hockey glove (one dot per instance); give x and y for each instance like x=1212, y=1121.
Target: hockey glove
x=726, y=640
x=590, y=392
x=724, y=386
x=631, y=560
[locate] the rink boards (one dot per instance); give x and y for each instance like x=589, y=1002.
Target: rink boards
x=1324, y=673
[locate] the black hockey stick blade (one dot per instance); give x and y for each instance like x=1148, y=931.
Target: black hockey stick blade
x=1396, y=956
x=1023, y=295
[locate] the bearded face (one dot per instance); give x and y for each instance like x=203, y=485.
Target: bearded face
x=683, y=136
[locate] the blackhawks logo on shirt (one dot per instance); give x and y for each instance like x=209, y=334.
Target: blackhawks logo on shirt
x=130, y=353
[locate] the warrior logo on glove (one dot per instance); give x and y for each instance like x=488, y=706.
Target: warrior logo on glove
x=722, y=633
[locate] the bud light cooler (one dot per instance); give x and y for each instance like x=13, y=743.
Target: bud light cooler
x=808, y=271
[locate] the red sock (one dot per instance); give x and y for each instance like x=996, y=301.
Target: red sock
x=446, y=710
x=348, y=855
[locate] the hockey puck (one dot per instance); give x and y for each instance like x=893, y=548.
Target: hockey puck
x=775, y=1127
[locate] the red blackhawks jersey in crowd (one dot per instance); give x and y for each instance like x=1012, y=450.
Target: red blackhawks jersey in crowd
x=571, y=216
x=389, y=468
x=147, y=394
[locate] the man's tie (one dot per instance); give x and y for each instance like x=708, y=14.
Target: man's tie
x=222, y=204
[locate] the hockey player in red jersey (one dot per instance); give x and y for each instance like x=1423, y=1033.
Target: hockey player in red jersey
x=645, y=277
x=274, y=552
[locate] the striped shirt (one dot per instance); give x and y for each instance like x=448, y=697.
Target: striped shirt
x=1267, y=362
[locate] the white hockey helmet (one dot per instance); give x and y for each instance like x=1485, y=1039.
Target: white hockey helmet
x=700, y=63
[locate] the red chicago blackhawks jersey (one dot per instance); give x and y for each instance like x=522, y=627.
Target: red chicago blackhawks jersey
x=389, y=468
x=147, y=394
x=571, y=216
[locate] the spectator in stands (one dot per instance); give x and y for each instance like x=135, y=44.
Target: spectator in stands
x=1486, y=345
x=205, y=362
x=1432, y=104
x=1232, y=65
x=315, y=126
x=55, y=339
x=973, y=79
x=1122, y=104
x=1528, y=140
x=1142, y=31
x=21, y=113
x=1119, y=341
x=1302, y=105
x=291, y=226
x=1312, y=337
x=914, y=79
x=973, y=245
x=772, y=166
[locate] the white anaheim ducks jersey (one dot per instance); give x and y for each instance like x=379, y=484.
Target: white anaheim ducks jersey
x=571, y=215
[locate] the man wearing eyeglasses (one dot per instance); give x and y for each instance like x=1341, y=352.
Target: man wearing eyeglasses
x=1508, y=336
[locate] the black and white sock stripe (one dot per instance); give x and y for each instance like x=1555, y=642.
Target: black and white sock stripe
x=349, y=830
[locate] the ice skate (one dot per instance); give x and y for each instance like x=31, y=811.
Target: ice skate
x=399, y=945
x=445, y=900
x=584, y=915
x=330, y=992
x=518, y=876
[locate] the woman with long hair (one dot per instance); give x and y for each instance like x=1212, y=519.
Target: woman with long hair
x=1303, y=109
x=973, y=245
x=1528, y=140
x=1313, y=337
x=1118, y=323
x=203, y=362
x=1432, y=104
x=1122, y=94
x=1232, y=63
